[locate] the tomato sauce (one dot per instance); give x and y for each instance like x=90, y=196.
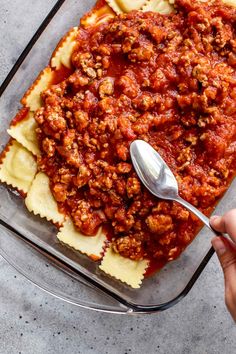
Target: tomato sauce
x=21, y=115
x=167, y=79
x=61, y=74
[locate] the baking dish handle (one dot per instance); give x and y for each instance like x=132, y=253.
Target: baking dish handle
x=53, y=276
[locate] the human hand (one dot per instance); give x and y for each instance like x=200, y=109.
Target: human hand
x=226, y=252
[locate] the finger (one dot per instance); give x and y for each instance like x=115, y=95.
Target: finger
x=225, y=223
x=226, y=252
x=217, y=222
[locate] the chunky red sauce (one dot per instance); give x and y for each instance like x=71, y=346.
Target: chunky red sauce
x=61, y=74
x=21, y=115
x=169, y=80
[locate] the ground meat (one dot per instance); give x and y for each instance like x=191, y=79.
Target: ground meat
x=128, y=86
x=49, y=146
x=106, y=88
x=60, y=192
x=169, y=80
x=81, y=120
x=159, y=224
x=133, y=187
x=129, y=247
x=86, y=220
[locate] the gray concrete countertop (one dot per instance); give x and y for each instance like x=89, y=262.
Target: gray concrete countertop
x=34, y=322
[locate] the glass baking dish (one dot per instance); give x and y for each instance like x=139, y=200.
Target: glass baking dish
x=29, y=243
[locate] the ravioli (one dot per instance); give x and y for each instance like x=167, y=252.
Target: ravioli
x=40, y=200
x=124, y=269
x=91, y=246
x=18, y=167
x=32, y=98
x=64, y=50
x=25, y=133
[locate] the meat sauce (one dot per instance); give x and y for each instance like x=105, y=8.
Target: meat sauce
x=21, y=115
x=167, y=79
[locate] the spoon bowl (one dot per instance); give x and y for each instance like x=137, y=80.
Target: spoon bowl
x=153, y=171
x=157, y=177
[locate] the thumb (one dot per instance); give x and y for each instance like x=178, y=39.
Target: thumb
x=226, y=252
x=225, y=223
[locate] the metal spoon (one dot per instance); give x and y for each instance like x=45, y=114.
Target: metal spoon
x=158, y=178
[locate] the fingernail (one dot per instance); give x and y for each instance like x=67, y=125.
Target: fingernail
x=214, y=217
x=219, y=246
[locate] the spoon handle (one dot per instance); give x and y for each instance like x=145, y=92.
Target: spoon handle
x=198, y=213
